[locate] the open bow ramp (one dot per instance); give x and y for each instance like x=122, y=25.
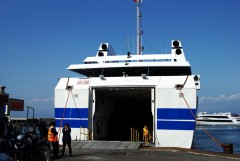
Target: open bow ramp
x=93, y=144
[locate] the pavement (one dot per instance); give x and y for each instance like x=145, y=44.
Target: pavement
x=145, y=154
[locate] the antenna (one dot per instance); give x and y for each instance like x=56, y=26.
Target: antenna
x=139, y=31
x=128, y=44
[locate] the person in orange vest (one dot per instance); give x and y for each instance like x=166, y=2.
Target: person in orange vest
x=145, y=134
x=52, y=137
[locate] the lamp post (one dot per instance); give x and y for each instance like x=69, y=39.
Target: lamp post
x=31, y=122
x=4, y=98
x=28, y=111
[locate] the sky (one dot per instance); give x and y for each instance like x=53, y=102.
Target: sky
x=39, y=39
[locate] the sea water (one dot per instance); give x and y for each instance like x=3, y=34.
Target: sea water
x=222, y=134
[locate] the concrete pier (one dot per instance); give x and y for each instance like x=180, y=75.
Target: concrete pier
x=142, y=154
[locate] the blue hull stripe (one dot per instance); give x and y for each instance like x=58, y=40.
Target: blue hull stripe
x=175, y=113
x=71, y=112
x=73, y=123
x=175, y=119
x=176, y=125
x=76, y=117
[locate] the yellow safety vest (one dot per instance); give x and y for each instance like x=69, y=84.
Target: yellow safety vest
x=145, y=131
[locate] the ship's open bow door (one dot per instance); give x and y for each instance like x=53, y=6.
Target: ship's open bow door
x=115, y=110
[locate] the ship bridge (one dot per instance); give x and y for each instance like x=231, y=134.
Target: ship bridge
x=107, y=63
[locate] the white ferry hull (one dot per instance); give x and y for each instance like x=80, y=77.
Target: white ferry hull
x=121, y=92
x=171, y=122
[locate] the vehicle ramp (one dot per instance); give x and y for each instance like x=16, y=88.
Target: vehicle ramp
x=93, y=144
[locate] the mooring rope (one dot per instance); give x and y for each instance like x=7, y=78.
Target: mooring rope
x=70, y=91
x=76, y=108
x=60, y=125
x=204, y=129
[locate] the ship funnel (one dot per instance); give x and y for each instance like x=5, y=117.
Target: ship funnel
x=105, y=49
x=177, y=50
x=176, y=44
x=100, y=54
x=196, y=79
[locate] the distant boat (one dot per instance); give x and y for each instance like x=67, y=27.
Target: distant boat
x=225, y=118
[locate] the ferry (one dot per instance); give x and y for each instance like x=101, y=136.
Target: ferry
x=222, y=118
x=117, y=92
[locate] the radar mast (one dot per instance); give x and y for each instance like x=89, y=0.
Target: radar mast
x=139, y=30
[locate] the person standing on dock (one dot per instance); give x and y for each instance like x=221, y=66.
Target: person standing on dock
x=6, y=128
x=43, y=130
x=52, y=137
x=66, y=139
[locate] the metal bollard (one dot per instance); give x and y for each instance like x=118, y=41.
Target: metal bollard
x=227, y=148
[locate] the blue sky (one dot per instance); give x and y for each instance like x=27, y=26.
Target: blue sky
x=39, y=39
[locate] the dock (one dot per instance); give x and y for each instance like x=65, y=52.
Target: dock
x=97, y=151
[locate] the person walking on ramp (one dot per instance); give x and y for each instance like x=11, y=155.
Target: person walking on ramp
x=145, y=134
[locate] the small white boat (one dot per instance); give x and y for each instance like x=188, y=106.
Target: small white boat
x=224, y=118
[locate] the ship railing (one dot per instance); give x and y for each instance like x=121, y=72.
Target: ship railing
x=148, y=57
x=134, y=135
x=84, y=133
